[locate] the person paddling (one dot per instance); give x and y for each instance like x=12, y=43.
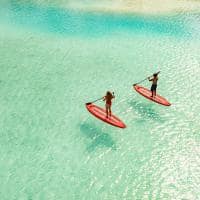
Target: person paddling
x=154, y=80
x=108, y=98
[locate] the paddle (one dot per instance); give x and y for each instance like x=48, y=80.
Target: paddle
x=96, y=100
x=144, y=79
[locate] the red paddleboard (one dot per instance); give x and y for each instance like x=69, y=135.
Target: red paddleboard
x=147, y=93
x=100, y=113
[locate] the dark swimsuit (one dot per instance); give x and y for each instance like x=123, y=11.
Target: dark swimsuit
x=153, y=87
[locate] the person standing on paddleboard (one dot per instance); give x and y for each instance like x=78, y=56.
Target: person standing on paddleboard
x=108, y=98
x=154, y=84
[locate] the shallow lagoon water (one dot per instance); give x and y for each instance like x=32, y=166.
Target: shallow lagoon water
x=53, y=61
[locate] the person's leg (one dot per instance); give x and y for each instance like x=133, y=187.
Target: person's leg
x=155, y=87
x=106, y=111
x=110, y=111
x=152, y=91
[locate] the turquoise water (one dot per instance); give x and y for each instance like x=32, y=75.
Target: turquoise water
x=53, y=61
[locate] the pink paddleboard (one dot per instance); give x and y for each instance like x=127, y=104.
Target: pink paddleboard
x=100, y=113
x=147, y=93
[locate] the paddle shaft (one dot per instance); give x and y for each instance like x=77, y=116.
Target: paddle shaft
x=145, y=79
x=96, y=100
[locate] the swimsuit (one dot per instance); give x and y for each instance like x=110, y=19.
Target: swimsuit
x=153, y=87
x=108, y=103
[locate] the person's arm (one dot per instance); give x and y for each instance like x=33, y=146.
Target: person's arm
x=150, y=79
x=104, y=98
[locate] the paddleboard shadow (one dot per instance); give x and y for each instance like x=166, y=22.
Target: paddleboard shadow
x=98, y=137
x=145, y=111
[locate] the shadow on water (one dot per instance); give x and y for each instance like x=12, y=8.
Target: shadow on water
x=97, y=136
x=145, y=111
